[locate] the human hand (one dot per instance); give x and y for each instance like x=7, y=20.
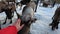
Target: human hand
x=17, y=25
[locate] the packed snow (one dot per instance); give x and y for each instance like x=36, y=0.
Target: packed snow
x=41, y=26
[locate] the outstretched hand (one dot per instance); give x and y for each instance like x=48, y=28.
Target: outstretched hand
x=17, y=25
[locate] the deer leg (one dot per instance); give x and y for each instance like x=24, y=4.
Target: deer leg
x=57, y=25
x=52, y=23
x=5, y=21
x=10, y=21
x=12, y=14
x=11, y=17
x=53, y=27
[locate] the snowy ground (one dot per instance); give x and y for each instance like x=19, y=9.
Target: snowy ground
x=41, y=26
x=44, y=16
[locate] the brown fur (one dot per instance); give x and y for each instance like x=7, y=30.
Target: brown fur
x=25, y=30
x=23, y=2
x=56, y=19
x=32, y=4
x=45, y=4
x=27, y=23
x=2, y=5
x=8, y=9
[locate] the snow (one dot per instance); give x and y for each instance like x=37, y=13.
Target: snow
x=41, y=26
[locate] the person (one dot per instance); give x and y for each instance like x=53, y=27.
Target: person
x=13, y=29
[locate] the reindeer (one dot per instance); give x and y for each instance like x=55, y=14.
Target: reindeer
x=56, y=19
x=46, y=3
x=9, y=10
x=36, y=2
x=22, y=2
x=2, y=5
x=27, y=18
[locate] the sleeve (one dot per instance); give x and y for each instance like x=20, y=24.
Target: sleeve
x=9, y=30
